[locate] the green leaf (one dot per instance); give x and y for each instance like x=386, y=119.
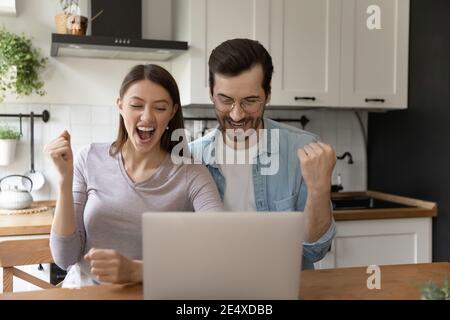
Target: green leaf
x=8, y=133
x=16, y=51
x=430, y=291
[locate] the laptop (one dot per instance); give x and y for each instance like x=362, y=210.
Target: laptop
x=222, y=255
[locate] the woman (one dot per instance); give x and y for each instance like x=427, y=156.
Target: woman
x=96, y=229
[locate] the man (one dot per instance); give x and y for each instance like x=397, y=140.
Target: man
x=299, y=179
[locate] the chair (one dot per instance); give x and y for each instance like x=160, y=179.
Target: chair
x=23, y=252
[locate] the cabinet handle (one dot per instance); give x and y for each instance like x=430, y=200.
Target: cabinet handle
x=305, y=98
x=375, y=100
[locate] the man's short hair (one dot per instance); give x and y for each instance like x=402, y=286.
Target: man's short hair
x=235, y=56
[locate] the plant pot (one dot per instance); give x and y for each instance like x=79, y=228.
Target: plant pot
x=76, y=25
x=61, y=23
x=7, y=151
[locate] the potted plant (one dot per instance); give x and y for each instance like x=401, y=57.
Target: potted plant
x=8, y=141
x=431, y=291
x=20, y=64
x=68, y=7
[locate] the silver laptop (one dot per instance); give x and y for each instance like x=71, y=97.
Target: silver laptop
x=222, y=255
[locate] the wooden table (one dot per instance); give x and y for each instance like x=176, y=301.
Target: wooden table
x=27, y=224
x=397, y=282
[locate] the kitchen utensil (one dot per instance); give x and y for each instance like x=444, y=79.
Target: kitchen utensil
x=14, y=198
x=76, y=25
x=20, y=121
x=35, y=176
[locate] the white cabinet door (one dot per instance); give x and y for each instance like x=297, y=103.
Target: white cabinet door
x=305, y=47
x=380, y=242
x=323, y=52
x=8, y=7
x=374, y=72
x=207, y=24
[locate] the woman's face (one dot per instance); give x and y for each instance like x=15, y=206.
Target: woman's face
x=146, y=108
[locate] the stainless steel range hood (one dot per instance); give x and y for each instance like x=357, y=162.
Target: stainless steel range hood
x=65, y=45
x=109, y=39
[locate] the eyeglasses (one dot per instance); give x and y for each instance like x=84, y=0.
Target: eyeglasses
x=249, y=105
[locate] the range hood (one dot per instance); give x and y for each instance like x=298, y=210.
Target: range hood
x=66, y=45
x=110, y=39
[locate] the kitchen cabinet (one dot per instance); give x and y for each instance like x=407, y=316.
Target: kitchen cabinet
x=8, y=7
x=374, y=67
x=324, y=53
x=305, y=49
x=204, y=24
x=328, y=54
x=380, y=242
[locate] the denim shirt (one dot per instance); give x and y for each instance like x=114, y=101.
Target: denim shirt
x=277, y=179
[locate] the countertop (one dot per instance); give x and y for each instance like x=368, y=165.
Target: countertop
x=421, y=209
x=398, y=282
x=40, y=223
x=28, y=224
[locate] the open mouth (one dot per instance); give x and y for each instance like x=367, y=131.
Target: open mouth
x=145, y=134
x=237, y=125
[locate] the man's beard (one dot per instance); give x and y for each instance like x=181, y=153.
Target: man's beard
x=239, y=138
x=255, y=123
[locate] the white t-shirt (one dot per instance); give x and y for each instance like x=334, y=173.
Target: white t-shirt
x=236, y=167
x=239, y=192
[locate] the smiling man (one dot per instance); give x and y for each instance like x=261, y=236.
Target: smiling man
x=284, y=168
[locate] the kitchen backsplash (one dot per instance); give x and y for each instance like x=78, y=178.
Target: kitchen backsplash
x=89, y=124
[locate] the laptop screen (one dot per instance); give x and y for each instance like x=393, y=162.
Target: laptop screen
x=222, y=255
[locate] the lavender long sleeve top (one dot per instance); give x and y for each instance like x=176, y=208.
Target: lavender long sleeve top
x=108, y=206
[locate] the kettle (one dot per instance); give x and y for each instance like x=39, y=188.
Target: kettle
x=14, y=198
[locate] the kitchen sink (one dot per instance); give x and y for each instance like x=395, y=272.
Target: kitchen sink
x=365, y=202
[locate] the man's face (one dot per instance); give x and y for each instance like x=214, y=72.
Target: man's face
x=240, y=100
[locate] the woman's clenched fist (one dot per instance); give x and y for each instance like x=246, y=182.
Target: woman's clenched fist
x=60, y=152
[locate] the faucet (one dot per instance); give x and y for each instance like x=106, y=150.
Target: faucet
x=346, y=154
x=337, y=187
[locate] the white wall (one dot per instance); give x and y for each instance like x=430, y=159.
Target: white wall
x=74, y=80
x=86, y=123
x=157, y=19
